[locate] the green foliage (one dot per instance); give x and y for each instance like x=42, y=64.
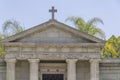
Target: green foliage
x=89, y=26
x=111, y=47
x=2, y=54
x=1, y=48
x=10, y=27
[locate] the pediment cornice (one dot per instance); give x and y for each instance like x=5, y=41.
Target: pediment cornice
x=57, y=25
x=54, y=44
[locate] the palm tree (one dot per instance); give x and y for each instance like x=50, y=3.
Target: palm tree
x=89, y=26
x=11, y=27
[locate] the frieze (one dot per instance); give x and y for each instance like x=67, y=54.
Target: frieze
x=55, y=56
x=52, y=49
x=52, y=52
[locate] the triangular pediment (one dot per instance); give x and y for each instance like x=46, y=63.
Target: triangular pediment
x=53, y=32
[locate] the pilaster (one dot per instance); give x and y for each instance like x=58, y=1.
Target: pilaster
x=94, y=69
x=33, y=68
x=10, y=72
x=71, y=69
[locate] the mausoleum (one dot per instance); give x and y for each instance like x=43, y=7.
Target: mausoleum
x=56, y=51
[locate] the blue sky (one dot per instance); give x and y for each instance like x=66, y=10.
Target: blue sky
x=33, y=12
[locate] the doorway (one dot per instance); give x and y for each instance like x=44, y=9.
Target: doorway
x=52, y=77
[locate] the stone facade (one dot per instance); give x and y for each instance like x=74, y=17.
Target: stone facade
x=2, y=70
x=22, y=70
x=55, y=48
x=110, y=69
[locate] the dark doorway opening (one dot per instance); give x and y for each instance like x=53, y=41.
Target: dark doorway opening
x=52, y=77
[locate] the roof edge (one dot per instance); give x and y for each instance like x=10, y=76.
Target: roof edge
x=50, y=22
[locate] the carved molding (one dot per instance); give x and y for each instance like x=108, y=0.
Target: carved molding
x=10, y=60
x=94, y=60
x=53, y=44
x=33, y=60
x=71, y=60
x=52, y=56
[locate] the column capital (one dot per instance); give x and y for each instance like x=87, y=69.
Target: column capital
x=10, y=60
x=94, y=60
x=71, y=60
x=33, y=60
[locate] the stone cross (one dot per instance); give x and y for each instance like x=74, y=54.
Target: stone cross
x=53, y=10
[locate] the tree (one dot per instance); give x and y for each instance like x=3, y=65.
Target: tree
x=89, y=26
x=11, y=27
x=1, y=48
x=111, y=47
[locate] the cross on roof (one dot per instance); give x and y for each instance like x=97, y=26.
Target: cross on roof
x=53, y=10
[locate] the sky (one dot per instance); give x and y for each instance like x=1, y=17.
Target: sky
x=33, y=12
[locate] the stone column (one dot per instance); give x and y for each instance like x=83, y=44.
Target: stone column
x=33, y=68
x=71, y=69
x=94, y=69
x=10, y=72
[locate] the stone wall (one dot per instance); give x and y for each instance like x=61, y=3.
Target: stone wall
x=22, y=70
x=83, y=70
x=2, y=71
x=109, y=71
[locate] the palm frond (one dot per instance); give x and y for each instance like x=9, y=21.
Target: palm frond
x=89, y=26
x=94, y=21
x=78, y=22
x=11, y=27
